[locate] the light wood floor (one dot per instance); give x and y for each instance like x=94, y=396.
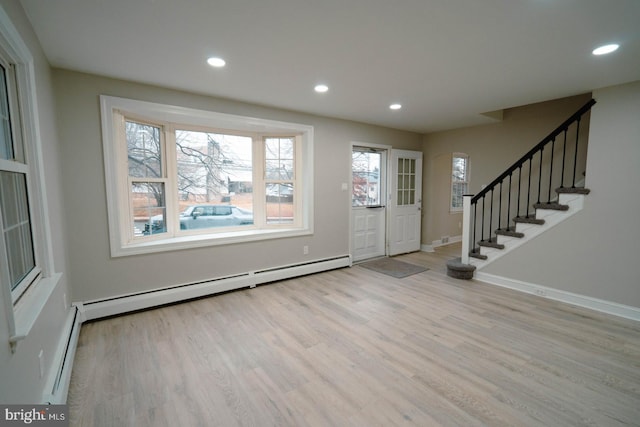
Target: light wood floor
x=352, y=347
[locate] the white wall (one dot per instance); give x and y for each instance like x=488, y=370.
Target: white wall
x=20, y=380
x=95, y=275
x=595, y=253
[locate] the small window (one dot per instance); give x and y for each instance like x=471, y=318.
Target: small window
x=459, y=180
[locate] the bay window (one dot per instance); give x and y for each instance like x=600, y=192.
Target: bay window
x=180, y=178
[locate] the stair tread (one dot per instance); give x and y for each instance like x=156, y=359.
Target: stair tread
x=528, y=220
x=554, y=206
x=510, y=233
x=572, y=190
x=491, y=243
x=478, y=255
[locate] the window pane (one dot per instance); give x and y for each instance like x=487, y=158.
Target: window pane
x=16, y=222
x=459, y=169
x=365, y=168
x=149, y=208
x=280, y=208
x=6, y=142
x=215, y=179
x=279, y=154
x=144, y=150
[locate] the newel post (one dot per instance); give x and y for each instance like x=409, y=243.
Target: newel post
x=466, y=227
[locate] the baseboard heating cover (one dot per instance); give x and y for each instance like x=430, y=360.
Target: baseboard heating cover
x=57, y=386
x=96, y=309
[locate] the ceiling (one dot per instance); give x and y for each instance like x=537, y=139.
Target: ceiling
x=445, y=61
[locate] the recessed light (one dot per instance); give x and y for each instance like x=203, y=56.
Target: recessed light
x=603, y=50
x=395, y=106
x=321, y=88
x=216, y=62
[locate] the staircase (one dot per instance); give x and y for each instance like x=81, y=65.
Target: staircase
x=520, y=204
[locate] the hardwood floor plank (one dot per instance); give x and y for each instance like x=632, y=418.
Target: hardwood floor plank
x=352, y=347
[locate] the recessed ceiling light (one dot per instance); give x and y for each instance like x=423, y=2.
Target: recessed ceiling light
x=395, y=106
x=321, y=88
x=216, y=62
x=603, y=50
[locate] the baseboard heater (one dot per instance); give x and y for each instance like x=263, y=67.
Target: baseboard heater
x=97, y=309
x=58, y=384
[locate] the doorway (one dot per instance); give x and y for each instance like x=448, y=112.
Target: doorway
x=386, y=201
x=368, y=202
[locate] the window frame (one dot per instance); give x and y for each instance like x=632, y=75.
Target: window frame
x=452, y=208
x=113, y=113
x=25, y=304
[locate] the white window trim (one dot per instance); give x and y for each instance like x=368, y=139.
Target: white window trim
x=23, y=314
x=115, y=170
x=459, y=209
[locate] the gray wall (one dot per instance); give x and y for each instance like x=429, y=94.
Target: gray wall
x=94, y=274
x=595, y=252
x=491, y=149
x=20, y=380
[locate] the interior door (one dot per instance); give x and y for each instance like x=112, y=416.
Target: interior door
x=405, y=201
x=368, y=204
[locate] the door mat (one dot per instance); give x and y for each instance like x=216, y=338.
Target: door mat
x=393, y=267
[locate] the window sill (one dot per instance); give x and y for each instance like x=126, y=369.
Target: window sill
x=29, y=307
x=204, y=240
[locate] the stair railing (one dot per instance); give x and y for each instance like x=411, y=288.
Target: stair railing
x=515, y=185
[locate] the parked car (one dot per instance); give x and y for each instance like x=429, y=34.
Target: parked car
x=203, y=216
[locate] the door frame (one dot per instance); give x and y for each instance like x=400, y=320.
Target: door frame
x=387, y=183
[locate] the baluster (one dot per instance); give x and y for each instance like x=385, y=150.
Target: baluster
x=575, y=157
x=519, y=182
x=509, y=205
x=482, y=234
x=564, y=151
x=540, y=173
x=500, y=208
x=529, y=187
x=490, y=213
x=553, y=144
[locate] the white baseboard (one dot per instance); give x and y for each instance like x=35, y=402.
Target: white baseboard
x=596, y=304
x=437, y=243
x=96, y=309
x=57, y=386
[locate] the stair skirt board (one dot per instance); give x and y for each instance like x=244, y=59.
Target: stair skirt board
x=57, y=385
x=531, y=231
x=603, y=306
x=96, y=309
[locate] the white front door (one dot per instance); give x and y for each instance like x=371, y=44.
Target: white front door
x=368, y=204
x=405, y=201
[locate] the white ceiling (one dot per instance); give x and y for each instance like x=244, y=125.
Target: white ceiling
x=445, y=61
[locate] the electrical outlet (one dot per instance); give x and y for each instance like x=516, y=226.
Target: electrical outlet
x=540, y=292
x=445, y=239
x=305, y=250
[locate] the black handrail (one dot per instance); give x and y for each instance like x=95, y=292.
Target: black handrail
x=575, y=117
